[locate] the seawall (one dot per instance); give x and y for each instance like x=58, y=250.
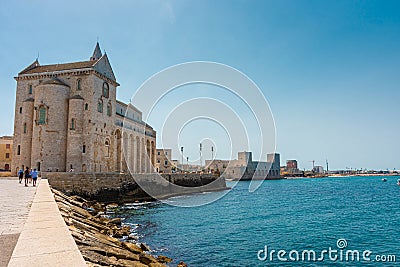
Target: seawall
x=122, y=188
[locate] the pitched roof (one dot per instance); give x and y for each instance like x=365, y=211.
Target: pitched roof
x=98, y=62
x=76, y=97
x=54, y=80
x=57, y=67
x=96, y=53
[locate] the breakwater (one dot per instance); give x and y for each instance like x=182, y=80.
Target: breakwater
x=123, y=188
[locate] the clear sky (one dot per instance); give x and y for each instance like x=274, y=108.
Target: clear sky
x=329, y=69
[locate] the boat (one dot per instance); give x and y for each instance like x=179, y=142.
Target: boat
x=398, y=182
x=384, y=180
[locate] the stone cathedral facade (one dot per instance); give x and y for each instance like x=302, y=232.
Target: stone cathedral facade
x=67, y=118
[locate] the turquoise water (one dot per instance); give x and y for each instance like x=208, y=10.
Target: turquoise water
x=301, y=214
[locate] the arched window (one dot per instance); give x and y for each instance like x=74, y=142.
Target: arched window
x=30, y=89
x=84, y=149
x=19, y=150
x=107, y=145
x=72, y=124
x=109, y=109
x=20, y=110
x=78, y=84
x=105, y=90
x=42, y=115
x=100, y=106
x=25, y=128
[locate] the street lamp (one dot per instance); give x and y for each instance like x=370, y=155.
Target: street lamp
x=201, y=163
x=182, y=156
x=187, y=163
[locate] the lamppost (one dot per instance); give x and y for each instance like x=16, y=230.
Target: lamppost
x=182, y=157
x=201, y=163
x=212, y=153
x=187, y=163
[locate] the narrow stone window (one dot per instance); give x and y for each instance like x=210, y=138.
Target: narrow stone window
x=7, y=155
x=25, y=128
x=78, y=84
x=20, y=110
x=86, y=106
x=84, y=149
x=109, y=109
x=30, y=89
x=42, y=115
x=19, y=150
x=72, y=124
x=106, y=90
x=107, y=145
x=100, y=106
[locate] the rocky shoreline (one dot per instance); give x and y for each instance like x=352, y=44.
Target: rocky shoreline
x=98, y=237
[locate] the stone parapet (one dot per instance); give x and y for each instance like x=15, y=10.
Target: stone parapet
x=118, y=187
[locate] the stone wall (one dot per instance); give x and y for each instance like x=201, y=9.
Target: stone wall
x=116, y=187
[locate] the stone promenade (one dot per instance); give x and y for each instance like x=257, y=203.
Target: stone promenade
x=33, y=231
x=15, y=201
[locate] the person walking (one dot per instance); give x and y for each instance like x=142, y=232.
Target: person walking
x=30, y=176
x=34, y=175
x=27, y=176
x=20, y=175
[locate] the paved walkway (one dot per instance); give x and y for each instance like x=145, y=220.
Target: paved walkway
x=45, y=239
x=15, y=201
x=32, y=230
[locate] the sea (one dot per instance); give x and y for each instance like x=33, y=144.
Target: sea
x=345, y=221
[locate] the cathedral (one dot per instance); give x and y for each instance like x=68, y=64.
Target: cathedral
x=67, y=118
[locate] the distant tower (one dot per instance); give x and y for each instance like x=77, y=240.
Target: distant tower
x=245, y=158
x=49, y=140
x=75, y=143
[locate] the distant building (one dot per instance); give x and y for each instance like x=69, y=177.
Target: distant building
x=245, y=168
x=6, y=143
x=164, y=164
x=291, y=164
x=318, y=169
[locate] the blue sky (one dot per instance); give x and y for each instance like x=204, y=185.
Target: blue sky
x=329, y=69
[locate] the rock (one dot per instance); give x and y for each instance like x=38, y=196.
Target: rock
x=163, y=259
x=116, y=221
x=146, y=258
x=132, y=237
x=157, y=264
x=182, y=264
x=132, y=247
x=144, y=247
x=96, y=235
x=137, y=264
x=97, y=207
x=128, y=263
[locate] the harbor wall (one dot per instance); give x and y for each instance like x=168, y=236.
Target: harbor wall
x=122, y=187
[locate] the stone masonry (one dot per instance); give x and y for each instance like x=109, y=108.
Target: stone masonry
x=67, y=118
